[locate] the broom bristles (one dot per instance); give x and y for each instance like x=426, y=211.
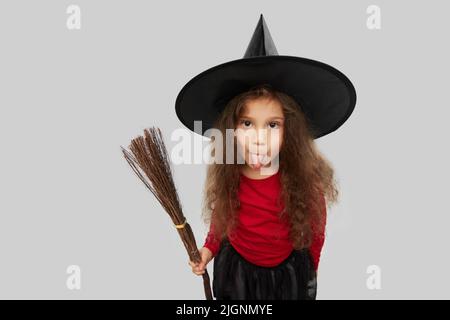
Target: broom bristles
x=150, y=162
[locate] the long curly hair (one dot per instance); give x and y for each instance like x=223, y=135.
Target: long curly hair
x=307, y=178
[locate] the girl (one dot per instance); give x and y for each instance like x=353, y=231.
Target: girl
x=267, y=213
x=264, y=249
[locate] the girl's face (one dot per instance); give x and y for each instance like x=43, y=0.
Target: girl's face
x=259, y=132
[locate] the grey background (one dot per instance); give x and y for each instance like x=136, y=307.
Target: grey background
x=69, y=99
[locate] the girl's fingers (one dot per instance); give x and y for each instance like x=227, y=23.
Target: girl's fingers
x=197, y=268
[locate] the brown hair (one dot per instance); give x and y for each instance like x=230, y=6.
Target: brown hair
x=306, y=177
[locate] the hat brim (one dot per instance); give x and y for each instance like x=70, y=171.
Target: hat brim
x=326, y=95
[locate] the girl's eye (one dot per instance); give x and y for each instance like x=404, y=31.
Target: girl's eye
x=275, y=125
x=246, y=123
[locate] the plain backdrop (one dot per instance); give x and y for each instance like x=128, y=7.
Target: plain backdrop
x=70, y=98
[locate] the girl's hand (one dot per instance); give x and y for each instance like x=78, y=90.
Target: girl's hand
x=199, y=268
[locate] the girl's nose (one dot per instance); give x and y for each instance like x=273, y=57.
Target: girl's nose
x=261, y=135
x=260, y=146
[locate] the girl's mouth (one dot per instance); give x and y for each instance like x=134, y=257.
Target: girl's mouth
x=258, y=160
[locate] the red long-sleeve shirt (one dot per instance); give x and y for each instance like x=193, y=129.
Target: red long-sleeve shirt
x=261, y=237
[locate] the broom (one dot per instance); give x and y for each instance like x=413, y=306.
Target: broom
x=148, y=159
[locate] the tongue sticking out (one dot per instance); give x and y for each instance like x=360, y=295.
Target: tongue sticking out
x=257, y=160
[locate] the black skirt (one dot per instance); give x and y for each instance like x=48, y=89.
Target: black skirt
x=238, y=279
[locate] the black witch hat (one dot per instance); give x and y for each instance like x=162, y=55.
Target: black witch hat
x=326, y=96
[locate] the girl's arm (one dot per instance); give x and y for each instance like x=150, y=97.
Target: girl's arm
x=211, y=242
x=318, y=236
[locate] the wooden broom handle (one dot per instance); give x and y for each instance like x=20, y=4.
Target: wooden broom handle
x=207, y=285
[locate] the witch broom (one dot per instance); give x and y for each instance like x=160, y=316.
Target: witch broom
x=148, y=159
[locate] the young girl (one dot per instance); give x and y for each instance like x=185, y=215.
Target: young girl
x=267, y=230
x=267, y=213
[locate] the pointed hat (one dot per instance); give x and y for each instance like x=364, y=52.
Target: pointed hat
x=325, y=95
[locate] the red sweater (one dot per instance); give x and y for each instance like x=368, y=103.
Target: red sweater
x=261, y=237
